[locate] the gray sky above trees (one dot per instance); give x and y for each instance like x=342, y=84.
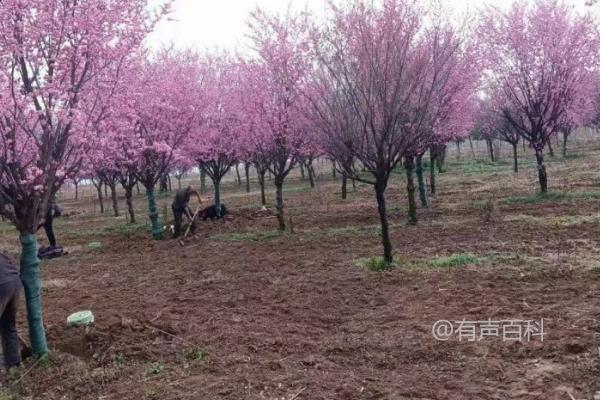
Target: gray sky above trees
x=223, y=23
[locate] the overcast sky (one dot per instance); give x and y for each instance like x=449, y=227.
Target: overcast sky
x=223, y=23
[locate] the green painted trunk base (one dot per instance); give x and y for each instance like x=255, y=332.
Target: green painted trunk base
x=156, y=229
x=31, y=283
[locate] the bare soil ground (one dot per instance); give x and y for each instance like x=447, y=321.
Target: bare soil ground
x=242, y=312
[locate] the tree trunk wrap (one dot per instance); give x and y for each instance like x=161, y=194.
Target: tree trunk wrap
x=217, y=186
x=31, y=283
x=153, y=213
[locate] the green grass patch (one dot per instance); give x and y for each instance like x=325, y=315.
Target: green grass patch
x=593, y=195
x=454, y=260
x=538, y=198
x=297, y=189
x=262, y=236
x=549, y=197
x=6, y=228
x=574, y=156
x=5, y=394
x=128, y=230
x=376, y=264
x=348, y=230
x=479, y=166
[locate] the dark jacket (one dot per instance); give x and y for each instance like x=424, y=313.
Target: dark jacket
x=182, y=198
x=8, y=270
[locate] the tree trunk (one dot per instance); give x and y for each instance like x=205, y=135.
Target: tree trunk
x=432, y=161
x=564, y=144
x=261, y=181
x=440, y=159
x=409, y=164
x=385, y=232
x=311, y=175
x=515, y=157
x=421, y=181
x=100, y=196
x=202, y=180
x=490, y=146
x=128, y=200
x=31, y=283
x=247, y=172
x=279, y=203
x=164, y=185
x=137, y=187
x=237, y=172
x=302, y=175
x=170, y=183
x=76, y=190
x=458, y=154
x=334, y=171
x=472, y=148
x=153, y=214
x=550, y=149
x=354, y=185
x=344, y=187
x=217, y=187
x=179, y=181
x=115, y=201
x=105, y=190
x=542, y=176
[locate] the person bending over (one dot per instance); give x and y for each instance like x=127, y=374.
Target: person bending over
x=180, y=207
x=52, y=211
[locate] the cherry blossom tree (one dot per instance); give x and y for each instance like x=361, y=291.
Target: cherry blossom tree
x=51, y=52
x=542, y=57
x=163, y=109
x=215, y=143
x=451, y=106
x=380, y=68
x=281, y=129
x=490, y=124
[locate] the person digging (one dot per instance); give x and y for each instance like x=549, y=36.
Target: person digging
x=180, y=207
x=52, y=211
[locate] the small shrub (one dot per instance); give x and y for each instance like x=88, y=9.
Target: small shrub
x=488, y=211
x=376, y=264
x=194, y=355
x=154, y=369
x=48, y=360
x=151, y=394
x=454, y=260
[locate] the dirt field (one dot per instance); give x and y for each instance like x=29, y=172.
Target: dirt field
x=242, y=312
